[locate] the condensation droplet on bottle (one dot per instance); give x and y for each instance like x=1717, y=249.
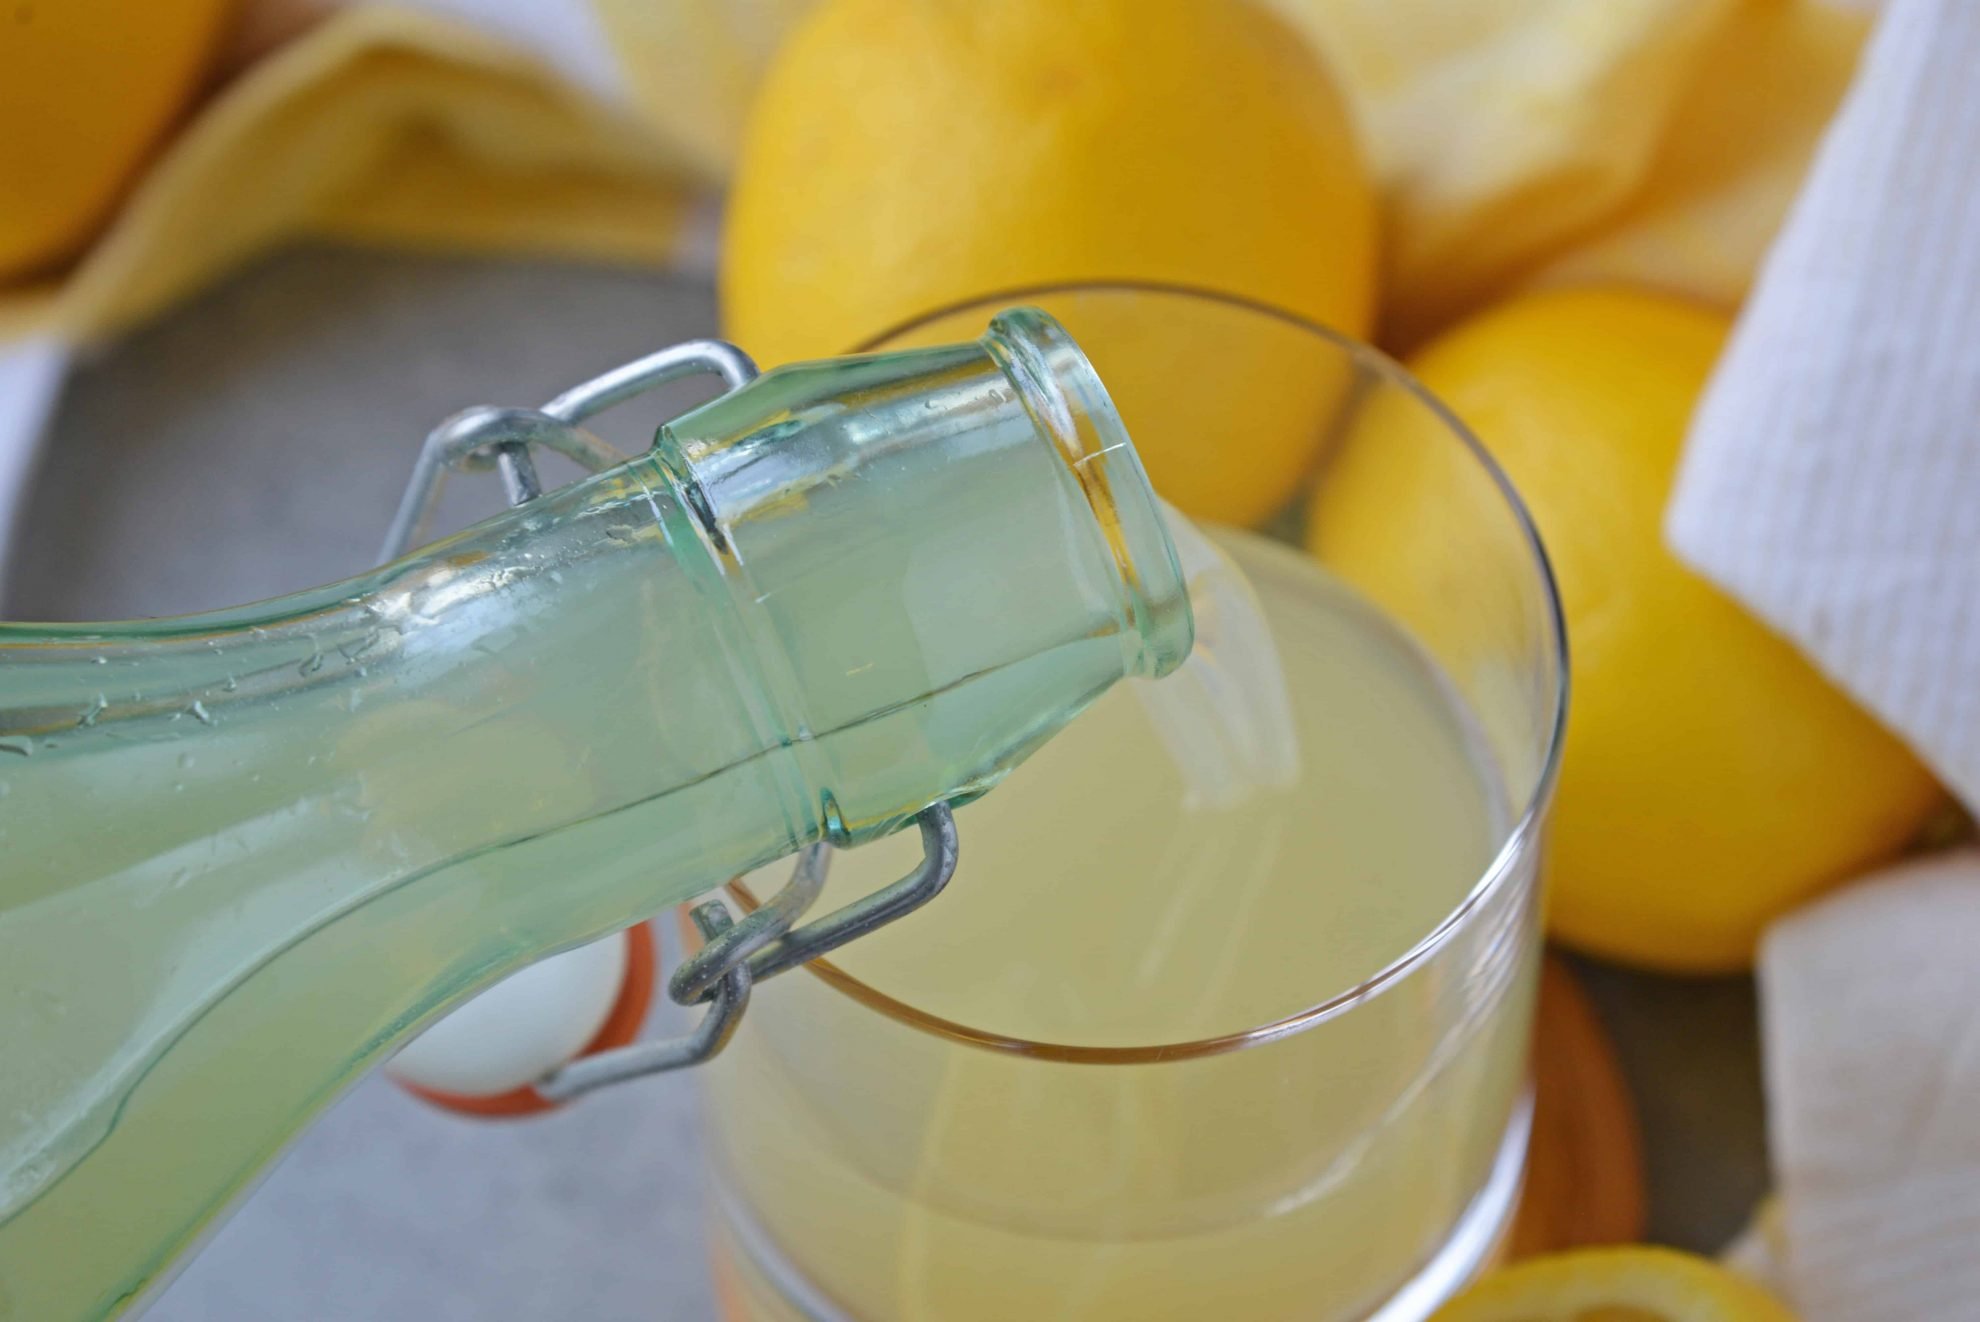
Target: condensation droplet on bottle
x=200, y=714
x=230, y=684
x=100, y=660
x=94, y=710
x=352, y=699
x=18, y=744
x=185, y=761
x=311, y=664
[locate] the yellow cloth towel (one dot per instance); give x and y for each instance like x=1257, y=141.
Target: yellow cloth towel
x=1656, y=140
x=381, y=124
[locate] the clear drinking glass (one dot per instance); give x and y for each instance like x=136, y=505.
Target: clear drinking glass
x=981, y=1113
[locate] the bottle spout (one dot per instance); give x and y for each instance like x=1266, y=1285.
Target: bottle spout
x=1069, y=405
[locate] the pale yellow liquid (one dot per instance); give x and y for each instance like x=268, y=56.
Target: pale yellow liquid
x=1105, y=901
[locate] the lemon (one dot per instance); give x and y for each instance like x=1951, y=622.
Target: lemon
x=1635, y=1284
x=1711, y=778
x=908, y=154
x=86, y=88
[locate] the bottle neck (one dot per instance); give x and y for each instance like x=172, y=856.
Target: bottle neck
x=960, y=536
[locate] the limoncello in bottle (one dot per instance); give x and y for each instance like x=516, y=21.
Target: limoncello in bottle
x=245, y=853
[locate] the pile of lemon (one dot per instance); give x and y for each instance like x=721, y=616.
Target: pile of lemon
x=906, y=155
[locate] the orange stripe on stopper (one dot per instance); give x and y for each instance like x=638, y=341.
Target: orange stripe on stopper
x=620, y=1028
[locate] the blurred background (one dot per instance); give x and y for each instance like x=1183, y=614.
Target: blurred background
x=1699, y=273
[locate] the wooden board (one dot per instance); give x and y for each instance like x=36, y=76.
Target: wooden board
x=1584, y=1174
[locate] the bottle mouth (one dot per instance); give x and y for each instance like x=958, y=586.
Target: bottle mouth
x=1065, y=399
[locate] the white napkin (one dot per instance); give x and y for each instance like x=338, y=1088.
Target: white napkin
x=1871, y=1007
x=1831, y=482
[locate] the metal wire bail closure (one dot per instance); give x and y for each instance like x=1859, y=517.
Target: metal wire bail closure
x=736, y=953
x=476, y=439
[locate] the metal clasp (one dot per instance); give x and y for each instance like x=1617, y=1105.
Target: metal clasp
x=477, y=439
x=736, y=953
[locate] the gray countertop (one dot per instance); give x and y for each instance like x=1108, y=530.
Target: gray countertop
x=255, y=441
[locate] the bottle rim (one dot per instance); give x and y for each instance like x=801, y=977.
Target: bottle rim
x=1069, y=404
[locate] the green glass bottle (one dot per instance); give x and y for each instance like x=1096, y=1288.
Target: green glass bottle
x=246, y=853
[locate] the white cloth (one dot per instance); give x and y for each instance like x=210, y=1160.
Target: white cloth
x=1831, y=480
x=30, y=382
x=1871, y=1016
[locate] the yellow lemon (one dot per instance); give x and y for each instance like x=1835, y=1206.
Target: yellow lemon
x=1711, y=778
x=86, y=88
x=1634, y=1284
x=908, y=154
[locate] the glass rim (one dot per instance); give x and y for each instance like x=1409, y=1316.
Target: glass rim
x=1519, y=836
